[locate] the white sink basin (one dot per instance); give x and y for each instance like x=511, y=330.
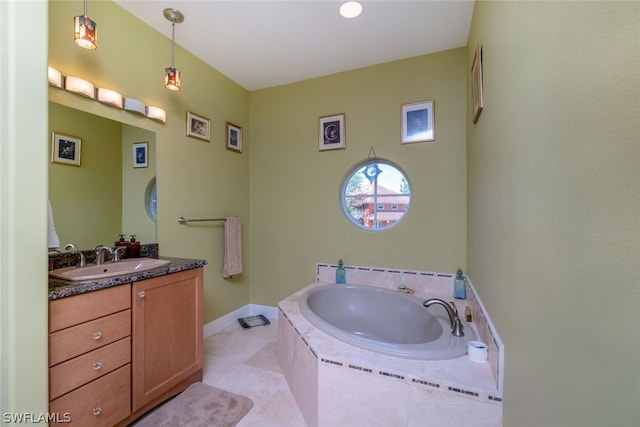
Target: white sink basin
x=108, y=269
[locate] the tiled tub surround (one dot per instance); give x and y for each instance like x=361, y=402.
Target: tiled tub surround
x=335, y=383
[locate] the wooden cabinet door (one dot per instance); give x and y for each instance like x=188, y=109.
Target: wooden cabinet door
x=166, y=333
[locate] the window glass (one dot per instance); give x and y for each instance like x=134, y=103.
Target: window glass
x=150, y=199
x=368, y=188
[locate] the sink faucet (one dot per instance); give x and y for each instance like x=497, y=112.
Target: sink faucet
x=118, y=252
x=452, y=311
x=73, y=248
x=100, y=250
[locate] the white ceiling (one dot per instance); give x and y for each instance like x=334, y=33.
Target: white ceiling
x=266, y=43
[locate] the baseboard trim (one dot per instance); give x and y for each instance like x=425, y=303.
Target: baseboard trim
x=232, y=318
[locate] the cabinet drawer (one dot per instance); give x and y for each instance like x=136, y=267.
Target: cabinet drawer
x=83, y=369
x=80, y=339
x=70, y=311
x=102, y=402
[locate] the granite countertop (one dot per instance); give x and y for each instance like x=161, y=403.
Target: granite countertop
x=59, y=288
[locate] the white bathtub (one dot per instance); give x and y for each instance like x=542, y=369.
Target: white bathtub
x=384, y=321
x=335, y=382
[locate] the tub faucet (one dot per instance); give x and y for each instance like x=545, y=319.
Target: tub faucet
x=452, y=311
x=100, y=250
x=73, y=248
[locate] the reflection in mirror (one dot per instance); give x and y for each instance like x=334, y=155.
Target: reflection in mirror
x=375, y=194
x=105, y=195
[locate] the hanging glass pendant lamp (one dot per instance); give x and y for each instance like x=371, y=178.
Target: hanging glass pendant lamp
x=172, y=74
x=85, y=30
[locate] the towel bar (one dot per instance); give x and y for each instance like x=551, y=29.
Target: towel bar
x=183, y=220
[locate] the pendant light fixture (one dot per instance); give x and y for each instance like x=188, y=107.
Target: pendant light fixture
x=85, y=30
x=172, y=74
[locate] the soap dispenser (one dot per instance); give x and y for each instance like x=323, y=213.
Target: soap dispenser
x=134, y=247
x=123, y=242
x=459, y=288
x=341, y=275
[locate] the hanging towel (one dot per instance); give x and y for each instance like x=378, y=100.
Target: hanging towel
x=54, y=242
x=232, y=247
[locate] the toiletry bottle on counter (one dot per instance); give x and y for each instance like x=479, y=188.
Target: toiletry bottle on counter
x=134, y=247
x=459, y=288
x=123, y=242
x=341, y=275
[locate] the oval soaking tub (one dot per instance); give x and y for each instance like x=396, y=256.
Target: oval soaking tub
x=384, y=321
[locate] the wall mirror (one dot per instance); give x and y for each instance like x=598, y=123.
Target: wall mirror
x=375, y=194
x=109, y=192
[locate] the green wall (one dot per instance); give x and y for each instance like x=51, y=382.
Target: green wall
x=553, y=185
x=296, y=217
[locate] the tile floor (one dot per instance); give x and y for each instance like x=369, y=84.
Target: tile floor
x=245, y=361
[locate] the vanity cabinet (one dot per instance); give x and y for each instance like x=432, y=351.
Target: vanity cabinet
x=90, y=357
x=167, y=335
x=115, y=353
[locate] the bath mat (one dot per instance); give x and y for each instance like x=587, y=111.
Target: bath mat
x=200, y=405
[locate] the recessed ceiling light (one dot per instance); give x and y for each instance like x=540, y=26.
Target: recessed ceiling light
x=350, y=9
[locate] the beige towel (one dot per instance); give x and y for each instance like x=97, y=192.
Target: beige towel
x=232, y=247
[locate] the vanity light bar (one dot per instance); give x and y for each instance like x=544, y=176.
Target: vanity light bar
x=55, y=77
x=134, y=105
x=156, y=113
x=106, y=96
x=80, y=86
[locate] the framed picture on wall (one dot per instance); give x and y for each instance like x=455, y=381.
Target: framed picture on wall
x=476, y=84
x=417, y=122
x=234, y=137
x=141, y=155
x=65, y=149
x=198, y=126
x=332, y=132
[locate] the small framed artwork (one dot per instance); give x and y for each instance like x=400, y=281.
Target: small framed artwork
x=65, y=149
x=234, y=137
x=476, y=84
x=198, y=126
x=417, y=122
x=141, y=155
x=332, y=132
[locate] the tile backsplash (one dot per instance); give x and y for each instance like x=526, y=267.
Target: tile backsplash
x=69, y=259
x=428, y=285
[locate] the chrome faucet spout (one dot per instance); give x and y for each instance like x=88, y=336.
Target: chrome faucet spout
x=100, y=250
x=456, y=325
x=73, y=248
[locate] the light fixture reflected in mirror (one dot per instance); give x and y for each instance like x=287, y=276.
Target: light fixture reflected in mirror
x=85, y=30
x=172, y=74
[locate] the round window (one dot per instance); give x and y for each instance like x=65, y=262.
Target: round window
x=150, y=202
x=375, y=194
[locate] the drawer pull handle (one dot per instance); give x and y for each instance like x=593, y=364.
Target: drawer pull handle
x=141, y=294
x=97, y=366
x=97, y=411
x=97, y=335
